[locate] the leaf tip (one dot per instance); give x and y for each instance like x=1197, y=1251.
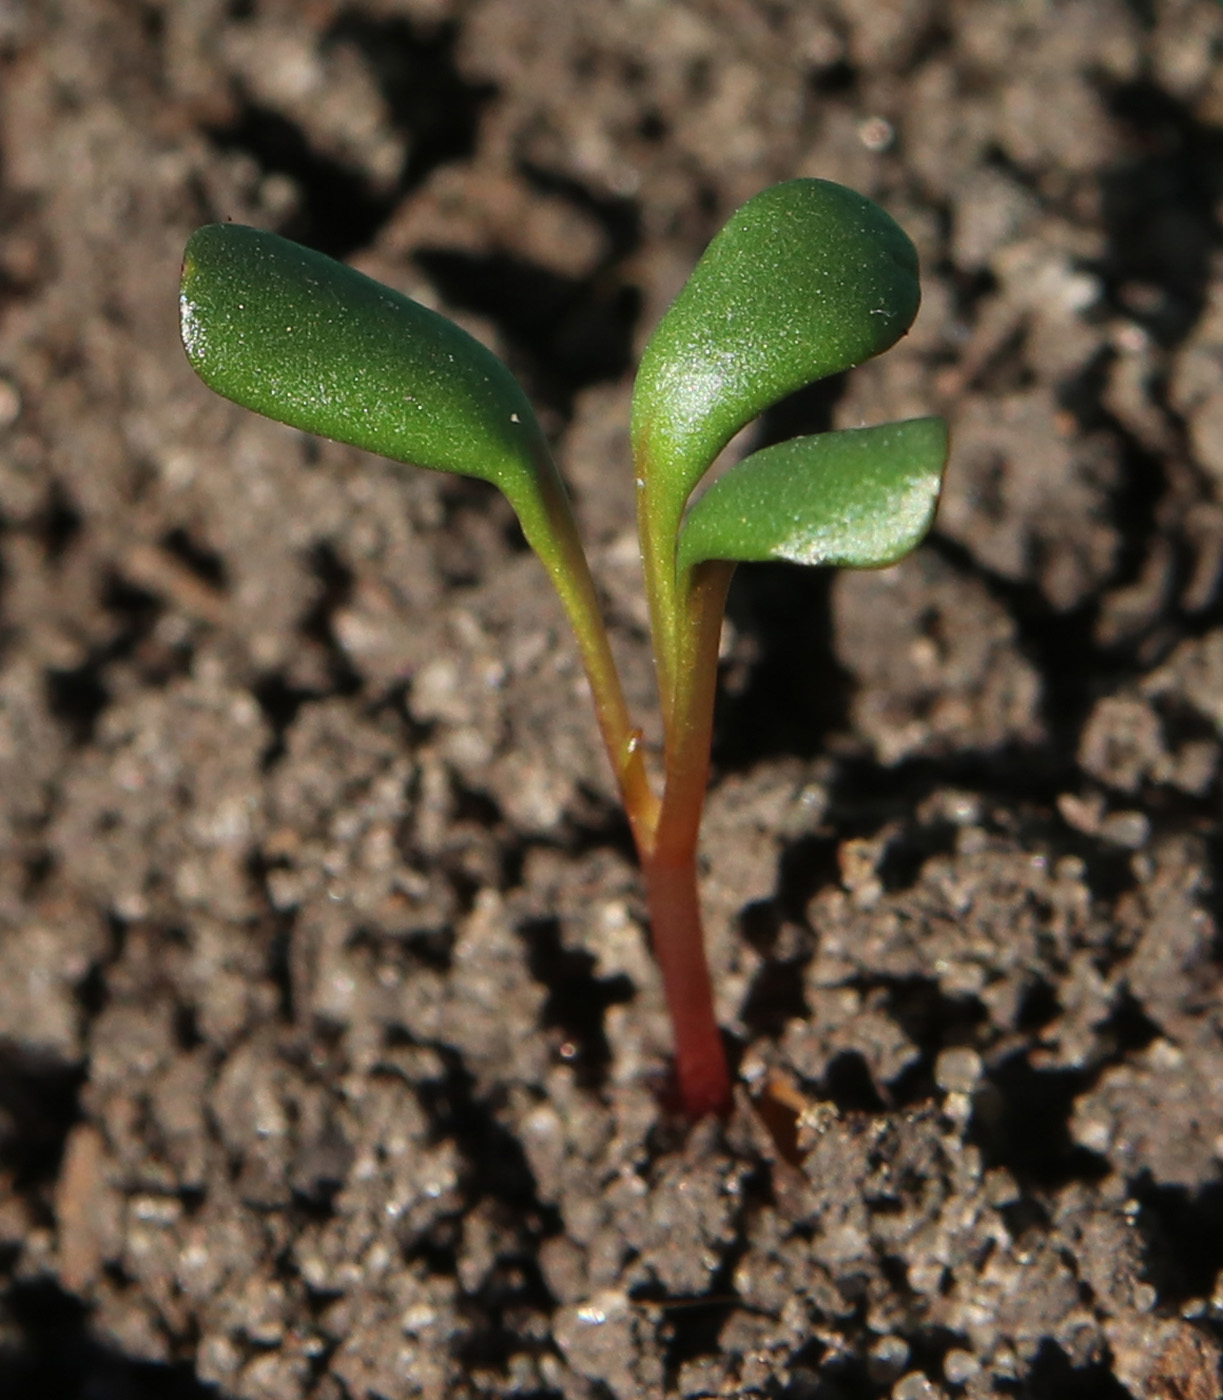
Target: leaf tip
x=190, y=315
x=189, y=327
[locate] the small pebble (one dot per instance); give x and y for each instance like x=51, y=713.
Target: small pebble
x=1130, y=830
x=876, y=133
x=1001, y=1188
x=10, y=403
x=887, y=1359
x=960, y=1366
x=925, y=1277
x=915, y=1386
x=958, y=1070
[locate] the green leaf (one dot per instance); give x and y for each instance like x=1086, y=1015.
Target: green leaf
x=861, y=498
x=297, y=336
x=806, y=280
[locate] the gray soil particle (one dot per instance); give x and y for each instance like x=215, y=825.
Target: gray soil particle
x=1194, y=390
x=1046, y=521
x=935, y=662
x=333, y=1060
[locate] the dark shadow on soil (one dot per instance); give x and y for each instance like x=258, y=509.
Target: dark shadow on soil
x=55, y=1357
x=775, y=997
x=840, y=1377
x=805, y=866
x=1021, y=1121
x=577, y=999
x=206, y=564
x=513, y=1288
x=791, y=690
x=279, y=699
x=335, y=580
x=341, y=209
x=1160, y=211
x=59, y=523
x=38, y=1106
x=1184, y=1234
x=497, y=1165
x=78, y=695
x=418, y=76
x=496, y=1170
x=574, y=331
x=1054, y=1377
x=692, y=1326
x=1061, y=646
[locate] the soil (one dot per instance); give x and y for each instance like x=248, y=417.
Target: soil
x=332, y=1058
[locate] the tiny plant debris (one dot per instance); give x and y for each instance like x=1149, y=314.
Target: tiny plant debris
x=806, y=280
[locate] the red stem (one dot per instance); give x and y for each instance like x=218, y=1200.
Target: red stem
x=679, y=947
x=670, y=865
x=687, y=625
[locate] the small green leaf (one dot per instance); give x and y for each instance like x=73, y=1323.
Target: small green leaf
x=301, y=338
x=861, y=498
x=806, y=280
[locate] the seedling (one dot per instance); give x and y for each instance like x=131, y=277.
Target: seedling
x=806, y=280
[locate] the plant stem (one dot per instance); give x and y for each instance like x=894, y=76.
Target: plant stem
x=689, y=721
x=657, y=529
x=679, y=947
x=671, y=867
x=564, y=558
x=665, y=833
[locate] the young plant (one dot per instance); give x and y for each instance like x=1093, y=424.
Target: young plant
x=806, y=280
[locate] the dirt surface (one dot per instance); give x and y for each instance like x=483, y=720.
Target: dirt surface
x=330, y=1045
